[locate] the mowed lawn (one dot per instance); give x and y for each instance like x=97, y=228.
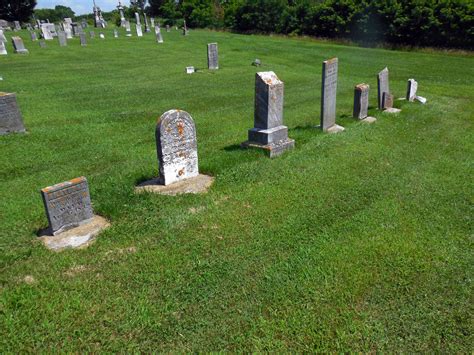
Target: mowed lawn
x=358, y=241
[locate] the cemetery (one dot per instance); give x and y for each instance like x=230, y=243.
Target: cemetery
x=166, y=188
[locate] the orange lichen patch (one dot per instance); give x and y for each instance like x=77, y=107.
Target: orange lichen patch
x=4, y=93
x=77, y=180
x=181, y=172
x=64, y=184
x=362, y=86
x=180, y=128
x=330, y=61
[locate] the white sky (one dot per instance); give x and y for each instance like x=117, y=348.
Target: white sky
x=81, y=6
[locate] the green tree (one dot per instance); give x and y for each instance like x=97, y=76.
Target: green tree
x=16, y=10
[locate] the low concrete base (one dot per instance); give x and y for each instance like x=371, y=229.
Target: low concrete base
x=22, y=51
x=272, y=149
x=335, y=129
x=368, y=119
x=78, y=237
x=392, y=110
x=195, y=185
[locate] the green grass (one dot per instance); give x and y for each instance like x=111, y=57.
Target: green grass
x=358, y=241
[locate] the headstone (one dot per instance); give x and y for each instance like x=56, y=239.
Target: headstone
x=361, y=101
x=101, y=35
x=159, y=37
x=10, y=116
x=387, y=101
x=68, y=20
x=269, y=133
x=92, y=34
x=42, y=43
x=3, y=49
x=17, y=25
x=185, y=29
x=212, y=56
x=411, y=90
x=128, y=29
x=382, y=86
x=82, y=38
x=67, y=29
x=328, y=96
x=46, y=32
x=67, y=205
x=18, y=45
x=33, y=35
x=176, y=146
x=62, y=39
x=29, y=27
x=4, y=24
x=2, y=36
x=167, y=28
x=152, y=22
x=257, y=62
x=139, y=31
x=115, y=34
x=52, y=29
x=190, y=70
x=137, y=18
x=84, y=23
x=145, y=20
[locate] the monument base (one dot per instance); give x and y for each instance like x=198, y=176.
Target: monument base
x=272, y=149
x=392, y=110
x=368, y=119
x=334, y=129
x=78, y=237
x=22, y=51
x=194, y=185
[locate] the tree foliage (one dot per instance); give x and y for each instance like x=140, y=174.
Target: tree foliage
x=54, y=15
x=16, y=10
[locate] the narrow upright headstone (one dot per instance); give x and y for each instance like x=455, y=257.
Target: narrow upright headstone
x=10, y=116
x=137, y=18
x=18, y=45
x=2, y=36
x=167, y=28
x=212, y=56
x=92, y=34
x=159, y=37
x=147, y=26
x=176, y=147
x=139, y=31
x=269, y=133
x=116, y=34
x=17, y=25
x=411, y=90
x=128, y=29
x=82, y=38
x=387, y=101
x=152, y=22
x=67, y=205
x=185, y=29
x=62, y=39
x=33, y=36
x=328, y=96
x=42, y=43
x=84, y=23
x=382, y=86
x=361, y=101
x=3, y=49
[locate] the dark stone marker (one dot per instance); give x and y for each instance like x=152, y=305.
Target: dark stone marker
x=361, y=101
x=387, y=101
x=328, y=96
x=17, y=25
x=269, y=133
x=18, y=45
x=382, y=87
x=10, y=116
x=42, y=43
x=167, y=28
x=411, y=90
x=212, y=56
x=176, y=147
x=67, y=205
x=82, y=37
x=62, y=39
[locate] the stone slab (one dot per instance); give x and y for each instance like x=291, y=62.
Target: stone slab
x=194, y=185
x=268, y=136
x=382, y=86
x=412, y=87
x=368, y=119
x=392, y=110
x=78, y=237
x=212, y=56
x=3, y=49
x=273, y=149
x=361, y=101
x=10, y=116
x=328, y=93
x=335, y=129
x=268, y=100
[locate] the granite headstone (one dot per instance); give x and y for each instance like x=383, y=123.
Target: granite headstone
x=18, y=45
x=361, y=101
x=82, y=38
x=139, y=31
x=328, y=96
x=412, y=87
x=382, y=86
x=3, y=49
x=212, y=56
x=62, y=39
x=10, y=116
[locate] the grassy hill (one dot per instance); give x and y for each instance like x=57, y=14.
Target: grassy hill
x=357, y=241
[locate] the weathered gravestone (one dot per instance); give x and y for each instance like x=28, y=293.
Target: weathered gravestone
x=212, y=56
x=137, y=18
x=328, y=97
x=17, y=25
x=33, y=36
x=168, y=28
x=92, y=34
x=361, y=103
x=82, y=38
x=145, y=20
x=62, y=39
x=139, y=31
x=152, y=22
x=10, y=116
x=159, y=37
x=68, y=30
x=3, y=49
x=116, y=34
x=42, y=43
x=18, y=45
x=269, y=133
x=69, y=211
x=84, y=23
x=387, y=101
x=185, y=28
x=176, y=147
x=128, y=29
x=411, y=90
x=382, y=86
x=2, y=36
x=46, y=32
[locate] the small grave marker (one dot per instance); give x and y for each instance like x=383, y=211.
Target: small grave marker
x=18, y=45
x=212, y=56
x=10, y=116
x=411, y=90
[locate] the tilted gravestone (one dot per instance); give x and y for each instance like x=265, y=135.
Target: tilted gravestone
x=382, y=86
x=10, y=116
x=46, y=32
x=62, y=39
x=328, y=96
x=212, y=56
x=67, y=205
x=3, y=49
x=139, y=31
x=82, y=38
x=361, y=101
x=176, y=147
x=269, y=133
x=137, y=18
x=2, y=36
x=145, y=21
x=159, y=37
x=412, y=87
x=18, y=45
x=83, y=24
x=128, y=29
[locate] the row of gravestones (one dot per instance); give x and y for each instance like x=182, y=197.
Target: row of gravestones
x=68, y=204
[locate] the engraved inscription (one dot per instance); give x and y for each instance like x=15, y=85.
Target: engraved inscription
x=328, y=94
x=383, y=86
x=212, y=56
